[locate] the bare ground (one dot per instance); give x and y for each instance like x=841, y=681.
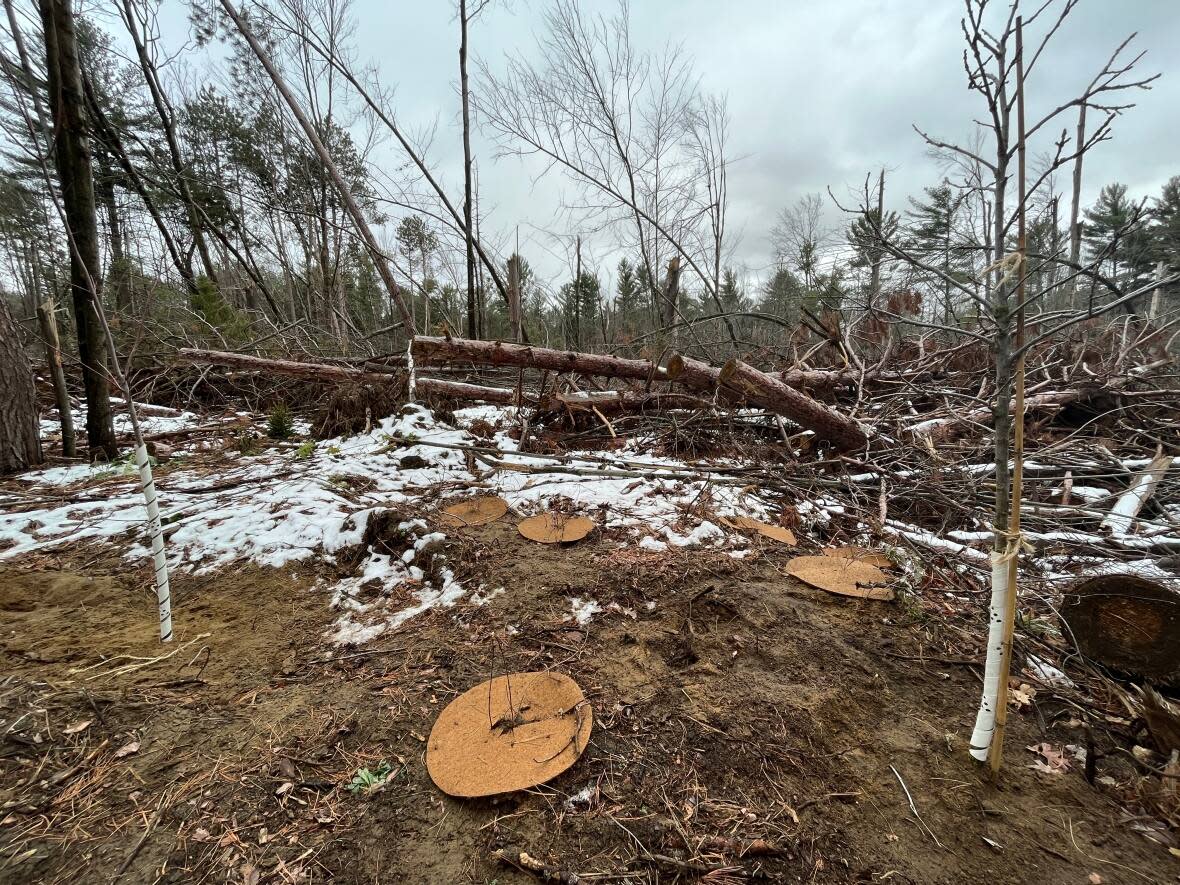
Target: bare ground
x=747, y=728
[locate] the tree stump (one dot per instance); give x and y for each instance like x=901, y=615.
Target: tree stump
x=1128, y=623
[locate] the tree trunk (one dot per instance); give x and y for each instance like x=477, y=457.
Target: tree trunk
x=1075, y=205
x=472, y=325
x=770, y=393
x=498, y=353
x=20, y=444
x=72, y=157
x=878, y=255
x=47, y=319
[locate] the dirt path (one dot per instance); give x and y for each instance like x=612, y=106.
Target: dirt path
x=746, y=727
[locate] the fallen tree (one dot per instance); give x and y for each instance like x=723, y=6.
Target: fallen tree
x=428, y=350
x=310, y=371
x=736, y=381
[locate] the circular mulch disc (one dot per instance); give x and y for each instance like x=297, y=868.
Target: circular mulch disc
x=860, y=554
x=1128, y=623
x=555, y=528
x=776, y=532
x=509, y=733
x=841, y=576
x=474, y=511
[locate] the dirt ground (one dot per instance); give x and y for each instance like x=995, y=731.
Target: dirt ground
x=746, y=728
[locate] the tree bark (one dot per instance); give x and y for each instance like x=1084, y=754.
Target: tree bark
x=72, y=157
x=20, y=443
x=499, y=353
x=767, y=391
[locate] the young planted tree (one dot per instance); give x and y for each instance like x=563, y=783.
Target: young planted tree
x=996, y=69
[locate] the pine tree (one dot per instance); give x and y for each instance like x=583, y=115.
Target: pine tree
x=782, y=296
x=628, y=300
x=1116, y=236
x=580, y=309
x=931, y=234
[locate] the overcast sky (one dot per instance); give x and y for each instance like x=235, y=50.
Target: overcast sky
x=820, y=94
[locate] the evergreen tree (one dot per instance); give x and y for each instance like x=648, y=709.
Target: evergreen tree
x=628, y=300
x=1116, y=236
x=580, y=309
x=782, y=296
x=932, y=238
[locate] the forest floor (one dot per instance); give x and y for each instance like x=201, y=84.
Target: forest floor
x=747, y=727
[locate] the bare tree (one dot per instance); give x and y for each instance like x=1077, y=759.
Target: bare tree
x=617, y=121
x=799, y=237
x=993, y=62
x=380, y=259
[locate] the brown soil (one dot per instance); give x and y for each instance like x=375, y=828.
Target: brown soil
x=746, y=727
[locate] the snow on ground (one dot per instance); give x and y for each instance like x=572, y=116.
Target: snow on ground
x=277, y=507
x=284, y=506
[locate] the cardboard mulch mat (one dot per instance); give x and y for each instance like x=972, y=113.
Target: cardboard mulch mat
x=509, y=733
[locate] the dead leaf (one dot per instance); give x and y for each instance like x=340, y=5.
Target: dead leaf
x=474, y=511
x=251, y=875
x=1021, y=696
x=77, y=727
x=775, y=532
x=860, y=554
x=127, y=749
x=1053, y=761
x=200, y=834
x=1094, y=879
x=555, y=528
x=841, y=576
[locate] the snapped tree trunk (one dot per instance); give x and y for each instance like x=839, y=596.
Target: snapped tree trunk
x=20, y=443
x=72, y=157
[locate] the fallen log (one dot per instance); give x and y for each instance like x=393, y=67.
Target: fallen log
x=429, y=350
x=1048, y=404
x=767, y=391
x=292, y=368
x=1122, y=516
x=436, y=387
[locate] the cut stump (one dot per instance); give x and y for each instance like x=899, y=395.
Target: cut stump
x=1127, y=622
x=474, y=511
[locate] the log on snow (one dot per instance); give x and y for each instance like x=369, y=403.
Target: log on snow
x=1122, y=515
x=770, y=393
x=437, y=387
x=292, y=368
x=500, y=353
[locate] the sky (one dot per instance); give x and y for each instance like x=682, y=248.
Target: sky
x=820, y=94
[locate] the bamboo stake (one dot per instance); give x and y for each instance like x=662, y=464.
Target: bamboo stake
x=1012, y=554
